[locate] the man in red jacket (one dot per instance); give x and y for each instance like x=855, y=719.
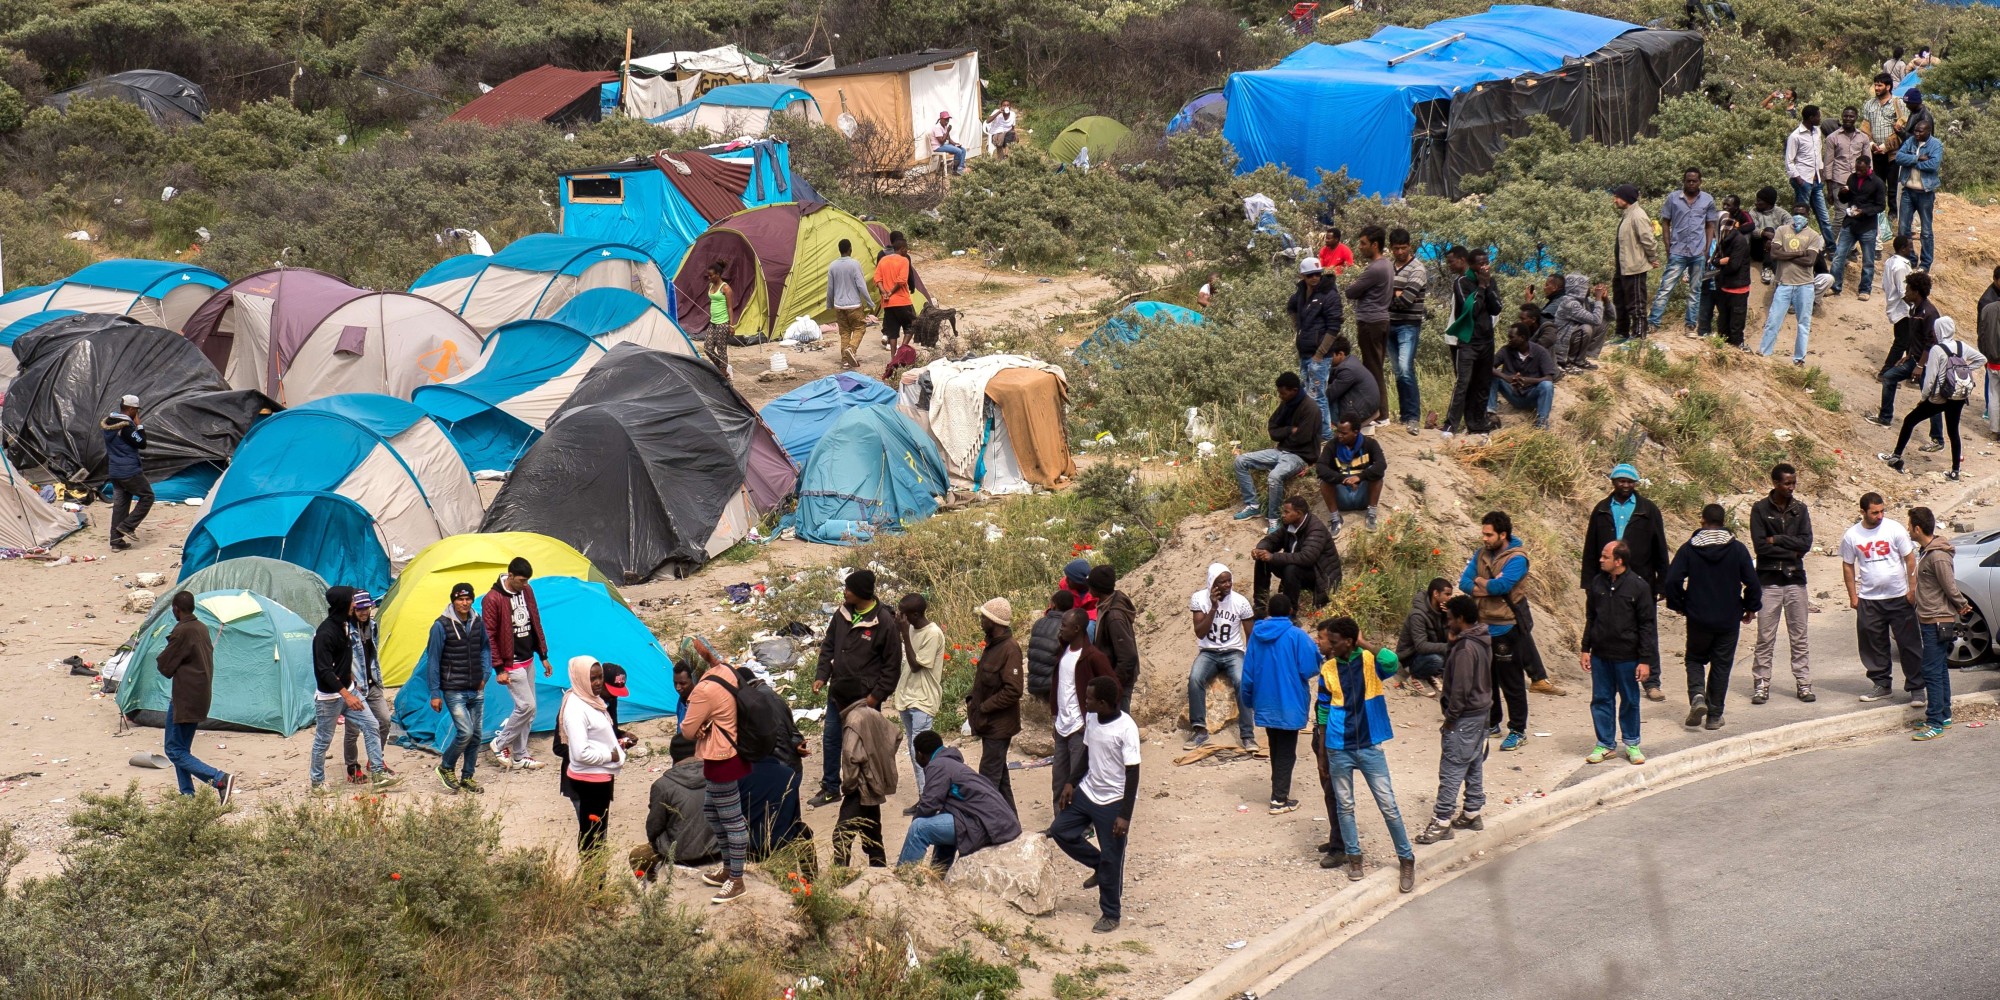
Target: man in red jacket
x=514, y=629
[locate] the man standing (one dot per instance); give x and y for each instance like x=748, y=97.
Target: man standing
x=919, y=690
x=1406, y=325
x=1919, y=161
x=1315, y=308
x=188, y=661
x=1474, y=303
x=1635, y=253
x=1101, y=800
x=1220, y=617
x=1688, y=216
x=1625, y=516
x=1356, y=721
x=1793, y=251
x=337, y=695
x=1294, y=429
x=1939, y=605
x=1300, y=554
x=361, y=636
x=1425, y=638
x=1116, y=635
x=1621, y=645
x=1525, y=377
x=1862, y=197
x=124, y=439
x=1805, y=165
x=942, y=142
x=1350, y=470
x=848, y=296
x=993, y=706
x=1781, y=534
x=1915, y=331
x=862, y=641
x=1371, y=292
x=1883, y=114
x=1714, y=583
x=1081, y=665
x=1731, y=269
x=1466, y=698
x=514, y=630
x=1989, y=347
x=892, y=276
x=1278, y=668
x=1494, y=577
x=1878, y=560
x=457, y=661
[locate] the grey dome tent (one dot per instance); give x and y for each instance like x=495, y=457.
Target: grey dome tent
x=166, y=98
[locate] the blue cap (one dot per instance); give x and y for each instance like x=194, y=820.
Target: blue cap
x=1625, y=471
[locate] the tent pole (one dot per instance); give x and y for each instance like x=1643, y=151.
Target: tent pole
x=625, y=80
x=1424, y=49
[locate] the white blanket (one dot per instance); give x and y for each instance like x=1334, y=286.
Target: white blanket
x=958, y=405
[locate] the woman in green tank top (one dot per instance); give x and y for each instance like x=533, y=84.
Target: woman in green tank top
x=716, y=342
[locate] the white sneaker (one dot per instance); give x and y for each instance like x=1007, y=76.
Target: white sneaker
x=529, y=764
x=1445, y=434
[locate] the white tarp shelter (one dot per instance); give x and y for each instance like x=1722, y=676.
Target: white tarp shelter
x=903, y=95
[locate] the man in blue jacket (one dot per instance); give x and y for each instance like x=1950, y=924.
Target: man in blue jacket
x=1493, y=578
x=1917, y=167
x=1713, y=581
x=1357, y=724
x=1279, y=663
x=124, y=438
x=457, y=663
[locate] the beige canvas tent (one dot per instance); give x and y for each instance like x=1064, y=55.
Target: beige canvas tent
x=25, y=521
x=535, y=276
x=902, y=95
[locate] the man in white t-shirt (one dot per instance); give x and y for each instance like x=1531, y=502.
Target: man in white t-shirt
x=942, y=142
x=1080, y=664
x=1220, y=616
x=1000, y=129
x=1879, y=560
x=1102, y=800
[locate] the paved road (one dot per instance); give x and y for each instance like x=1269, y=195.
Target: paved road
x=1858, y=872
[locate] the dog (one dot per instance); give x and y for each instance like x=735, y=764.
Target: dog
x=931, y=322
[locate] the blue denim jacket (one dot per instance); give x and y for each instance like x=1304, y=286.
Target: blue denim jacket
x=1926, y=159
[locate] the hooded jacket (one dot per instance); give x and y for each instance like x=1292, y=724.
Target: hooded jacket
x=867, y=753
x=459, y=656
x=1713, y=581
x=674, y=823
x=1947, y=346
x=1468, y=675
x=1645, y=535
x=1076, y=580
x=993, y=707
x=333, y=655
x=1311, y=546
x=1279, y=662
x=1425, y=632
x=1735, y=247
x=498, y=611
x=123, y=440
x=1573, y=316
x=1938, y=599
x=1116, y=637
x=867, y=647
x=1316, y=314
x=980, y=816
x=1638, y=248
x=1351, y=392
x=1351, y=703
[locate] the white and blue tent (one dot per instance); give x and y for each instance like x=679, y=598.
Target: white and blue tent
x=529, y=367
x=873, y=472
x=153, y=292
x=741, y=109
x=535, y=275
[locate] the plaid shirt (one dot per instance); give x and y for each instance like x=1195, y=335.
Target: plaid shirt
x=1882, y=118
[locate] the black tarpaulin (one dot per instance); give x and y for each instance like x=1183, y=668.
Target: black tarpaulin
x=166, y=98
x=75, y=370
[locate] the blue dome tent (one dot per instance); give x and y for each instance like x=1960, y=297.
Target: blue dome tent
x=741, y=109
x=872, y=472
x=1127, y=325
x=153, y=292
x=528, y=368
x=802, y=416
x=1205, y=112
x=536, y=275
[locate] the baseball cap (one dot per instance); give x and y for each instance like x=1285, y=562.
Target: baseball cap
x=614, y=681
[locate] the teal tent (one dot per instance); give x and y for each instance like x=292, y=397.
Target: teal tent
x=802, y=416
x=1127, y=325
x=263, y=666
x=873, y=471
x=294, y=587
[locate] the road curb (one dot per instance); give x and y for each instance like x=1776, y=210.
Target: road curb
x=1377, y=893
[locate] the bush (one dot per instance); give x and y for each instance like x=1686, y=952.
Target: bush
x=1022, y=211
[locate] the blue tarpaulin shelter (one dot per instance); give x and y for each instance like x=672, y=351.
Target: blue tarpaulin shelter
x=1126, y=325
x=873, y=471
x=802, y=416
x=662, y=202
x=1465, y=84
x=581, y=618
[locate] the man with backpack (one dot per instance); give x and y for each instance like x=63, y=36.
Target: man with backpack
x=1949, y=374
x=863, y=642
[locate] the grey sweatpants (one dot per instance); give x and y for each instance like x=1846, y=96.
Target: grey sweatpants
x=1462, y=762
x=1791, y=601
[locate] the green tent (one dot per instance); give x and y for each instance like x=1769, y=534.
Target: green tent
x=263, y=666
x=295, y=588
x=1099, y=134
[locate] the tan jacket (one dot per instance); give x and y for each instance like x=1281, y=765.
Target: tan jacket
x=867, y=753
x=1638, y=248
x=1938, y=599
x=1794, y=254
x=711, y=715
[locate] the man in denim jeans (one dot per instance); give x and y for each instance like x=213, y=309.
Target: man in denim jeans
x=1406, y=324
x=457, y=662
x=1792, y=251
x=1317, y=313
x=1688, y=216
x=1805, y=165
x=1939, y=605
x=1295, y=436
x=1918, y=163
x=1220, y=615
x=1357, y=724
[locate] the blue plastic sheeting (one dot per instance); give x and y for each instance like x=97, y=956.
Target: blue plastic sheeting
x=802, y=416
x=771, y=96
x=1128, y=324
x=1185, y=119
x=12, y=331
x=874, y=471
x=580, y=618
x=653, y=217
x=607, y=98
x=1328, y=106
x=1909, y=82
x=144, y=278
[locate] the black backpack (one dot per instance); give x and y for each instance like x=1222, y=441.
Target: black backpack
x=762, y=717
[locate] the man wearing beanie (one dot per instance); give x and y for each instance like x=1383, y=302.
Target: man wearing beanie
x=1634, y=255
x=1115, y=635
x=131, y=494
x=366, y=652
x=456, y=664
x=993, y=706
x=862, y=642
x=1076, y=580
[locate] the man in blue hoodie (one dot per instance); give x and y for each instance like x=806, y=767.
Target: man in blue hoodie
x=1493, y=578
x=1357, y=726
x=1713, y=581
x=456, y=664
x=1279, y=664
x=124, y=438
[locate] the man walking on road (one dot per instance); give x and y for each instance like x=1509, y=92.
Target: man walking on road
x=1781, y=535
x=188, y=662
x=514, y=633
x=1688, y=216
x=1467, y=695
x=1494, y=578
x=1878, y=561
x=1625, y=516
x=848, y=296
x=1939, y=605
x=1712, y=581
x=862, y=641
x=1634, y=253
x=1621, y=645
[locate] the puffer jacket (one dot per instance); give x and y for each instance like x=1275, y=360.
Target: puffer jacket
x=1044, y=652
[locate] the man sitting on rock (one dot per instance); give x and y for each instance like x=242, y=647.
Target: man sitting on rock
x=959, y=812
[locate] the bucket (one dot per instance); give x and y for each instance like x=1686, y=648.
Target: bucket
x=779, y=362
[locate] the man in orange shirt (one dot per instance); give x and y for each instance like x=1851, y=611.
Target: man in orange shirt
x=892, y=276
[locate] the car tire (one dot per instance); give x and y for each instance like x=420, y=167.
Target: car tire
x=1974, y=640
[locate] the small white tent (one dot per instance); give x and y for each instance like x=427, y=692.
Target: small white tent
x=26, y=522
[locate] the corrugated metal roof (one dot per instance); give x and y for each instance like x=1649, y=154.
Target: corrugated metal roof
x=893, y=64
x=536, y=95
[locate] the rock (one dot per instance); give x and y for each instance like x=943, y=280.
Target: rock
x=1022, y=873
x=778, y=654
x=139, y=601
x=150, y=579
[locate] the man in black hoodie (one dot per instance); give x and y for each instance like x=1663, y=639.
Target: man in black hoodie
x=1315, y=308
x=1117, y=634
x=862, y=642
x=1712, y=581
x=1625, y=516
x=1295, y=435
x=337, y=696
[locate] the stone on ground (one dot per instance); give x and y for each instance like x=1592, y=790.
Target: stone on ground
x=1023, y=872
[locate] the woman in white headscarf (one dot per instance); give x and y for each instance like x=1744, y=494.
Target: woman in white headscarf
x=595, y=756
x=1950, y=375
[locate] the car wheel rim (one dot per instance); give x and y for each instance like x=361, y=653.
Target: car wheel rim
x=1972, y=642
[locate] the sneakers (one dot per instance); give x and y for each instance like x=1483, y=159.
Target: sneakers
x=1371, y=515
x=382, y=781
x=1411, y=427
x=1104, y=925
x=731, y=891
x=1714, y=722
x=823, y=798
x=1435, y=832
x=1928, y=733
x=1196, y=741
x=1493, y=733
x=717, y=878
x=1931, y=447
x=1806, y=694
x=320, y=791
x=1952, y=475
x=1597, y=755
x=529, y=764
x=506, y=757
x=448, y=780
x=1762, y=693
x=355, y=775
x=1271, y=525
x=1468, y=821
x=1091, y=882
x=1512, y=742
x=1881, y=693
x=1632, y=754
x=1406, y=880
x=1546, y=686
x=1249, y=511
x=469, y=785
x=1767, y=276
x=1280, y=808
x=1655, y=694
x=1697, y=711
x=1893, y=460
x=226, y=788
x=1876, y=418
x=1354, y=871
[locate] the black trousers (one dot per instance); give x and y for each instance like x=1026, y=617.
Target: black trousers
x=864, y=822
x=993, y=767
x=1731, y=309
x=1710, y=652
x=1628, y=296
x=1335, y=843
x=1472, y=367
x=1510, y=682
x=1284, y=744
x=131, y=501
x=1885, y=166
x=1291, y=580
x=1926, y=410
x=1525, y=647
x=593, y=812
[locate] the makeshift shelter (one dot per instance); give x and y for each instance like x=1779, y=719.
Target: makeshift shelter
x=874, y=471
x=1099, y=135
x=296, y=588
x=774, y=259
x=26, y=520
x=802, y=416
x=1418, y=108
x=534, y=276
x=741, y=109
x=263, y=678
x=167, y=99
x=1206, y=113
x=154, y=292
x=349, y=487
x=543, y=94
x=424, y=588
x=655, y=464
x=661, y=203
x=902, y=96
x=299, y=335
x=998, y=421
x=580, y=618
x=75, y=369
x=1127, y=325
x=659, y=83
x=529, y=367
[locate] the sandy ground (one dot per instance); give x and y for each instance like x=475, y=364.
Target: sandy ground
x=1207, y=867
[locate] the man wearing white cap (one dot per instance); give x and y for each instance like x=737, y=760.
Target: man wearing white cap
x=993, y=707
x=124, y=438
x=941, y=142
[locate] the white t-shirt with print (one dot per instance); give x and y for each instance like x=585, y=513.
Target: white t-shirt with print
x=1877, y=557
x=1225, y=630
x=1111, y=748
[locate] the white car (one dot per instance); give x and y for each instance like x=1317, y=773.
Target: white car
x=1977, y=566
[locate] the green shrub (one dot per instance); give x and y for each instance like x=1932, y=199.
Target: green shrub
x=1022, y=211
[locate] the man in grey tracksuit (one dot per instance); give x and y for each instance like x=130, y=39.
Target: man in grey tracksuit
x=1466, y=698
